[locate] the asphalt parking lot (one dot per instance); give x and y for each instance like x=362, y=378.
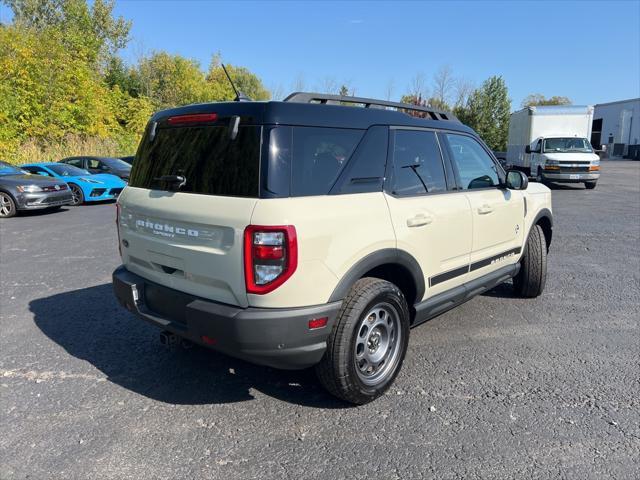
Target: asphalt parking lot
x=501, y=387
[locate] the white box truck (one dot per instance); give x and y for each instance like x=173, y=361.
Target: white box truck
x=551, y=144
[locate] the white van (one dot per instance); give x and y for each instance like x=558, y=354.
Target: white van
x=550, y=144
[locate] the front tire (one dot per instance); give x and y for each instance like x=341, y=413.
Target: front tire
x=7, y=205
x=532, y=277
x=540, y=176
x=77, y=197
x=368, y=343
x=590, y=185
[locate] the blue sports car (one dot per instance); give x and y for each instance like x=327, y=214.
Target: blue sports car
x=85, y=187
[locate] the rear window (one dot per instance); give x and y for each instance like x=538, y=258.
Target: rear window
x=305, y=161
x=211, y=162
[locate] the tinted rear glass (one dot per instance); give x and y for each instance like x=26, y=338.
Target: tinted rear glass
x=311, y=158
x=211, y=162
x=116, y=163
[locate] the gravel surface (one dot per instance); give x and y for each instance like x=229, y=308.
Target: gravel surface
x=500, y=387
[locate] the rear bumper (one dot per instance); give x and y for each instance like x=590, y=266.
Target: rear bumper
x=278, y=338
x=35, y=201
x=570, y=177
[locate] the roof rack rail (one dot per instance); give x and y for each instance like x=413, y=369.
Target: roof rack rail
x=325, y=98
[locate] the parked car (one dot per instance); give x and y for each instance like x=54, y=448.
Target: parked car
x=114, y=166
x=20, y=190
x=551, y=143
x=85, y=187
x=304, y=233
x=129, y=159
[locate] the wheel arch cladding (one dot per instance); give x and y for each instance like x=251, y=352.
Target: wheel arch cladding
x=544, y=218
x=393, y=265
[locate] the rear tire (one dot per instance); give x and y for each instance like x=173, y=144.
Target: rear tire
x=532, y=277
x=590, y=185
x=368, y=343
x=7, y=205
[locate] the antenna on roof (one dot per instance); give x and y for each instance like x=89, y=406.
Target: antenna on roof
x=240, y=97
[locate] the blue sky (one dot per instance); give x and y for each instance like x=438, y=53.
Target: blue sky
x=588, y=51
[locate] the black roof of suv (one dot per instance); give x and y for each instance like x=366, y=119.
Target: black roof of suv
x=320, y=110
x=308, y=144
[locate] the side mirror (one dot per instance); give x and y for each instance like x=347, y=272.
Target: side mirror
x=516, y=180
x=527, y=149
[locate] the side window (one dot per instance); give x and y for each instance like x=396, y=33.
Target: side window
x=365, y=170
x=95, y=164
x=76, y=162
x=417, y=164
x=319, y=155
x=476, y=168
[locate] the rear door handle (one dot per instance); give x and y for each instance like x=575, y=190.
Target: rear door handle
x=485, y=209
x=419, y=220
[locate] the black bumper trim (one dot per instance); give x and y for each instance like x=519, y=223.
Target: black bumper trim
x=275, y=337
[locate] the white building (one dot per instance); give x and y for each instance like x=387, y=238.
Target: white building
x=616, y=126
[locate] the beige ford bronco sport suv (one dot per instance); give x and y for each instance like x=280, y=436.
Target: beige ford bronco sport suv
x=310, y=232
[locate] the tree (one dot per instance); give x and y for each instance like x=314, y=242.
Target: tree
x=488, y=112
x=329, y=85
x=245, y=81
x=537, y=99
x=172, y=80
x=463, y=89
x=443, y=84
x=126, y=78
x=435, y=102
x=90, y=31
x=417, y=87
x=299, y=84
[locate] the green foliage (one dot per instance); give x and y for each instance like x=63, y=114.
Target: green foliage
x=124, y=77
x=46, y=91
x=487, y=112
x=171, y=80
x=64, y=90
x=91, y=32
x=537, y=99
x=245, y=81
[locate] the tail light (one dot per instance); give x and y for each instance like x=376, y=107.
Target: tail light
x=270, y=257
x=193, y=118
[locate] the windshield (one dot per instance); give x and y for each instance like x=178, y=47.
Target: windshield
x=6, y=169
x=67, y=170
x=116, y=163
x=567, y=145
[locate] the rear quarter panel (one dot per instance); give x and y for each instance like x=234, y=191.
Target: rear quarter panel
x=334, y=232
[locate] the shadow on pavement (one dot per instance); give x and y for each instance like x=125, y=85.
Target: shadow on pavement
x=42, y=211
x=504, y=290
x=90, y=325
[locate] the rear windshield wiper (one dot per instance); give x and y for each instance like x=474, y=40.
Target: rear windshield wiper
x=177, y=181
